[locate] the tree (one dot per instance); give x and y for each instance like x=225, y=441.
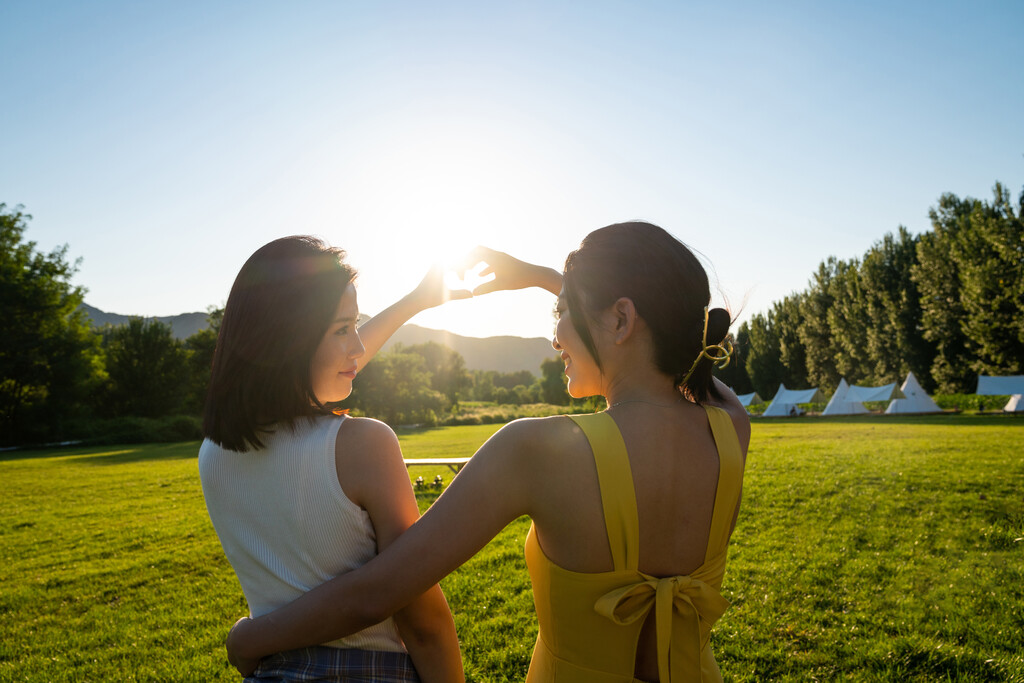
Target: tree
x=199, y=350
x=969, y=272
x=895, y=338
x=815, y=333
x=395, y=387
x=447, y=368
x=991, y=257
x=553, y=382
x=147, y=369
x=763, y=361
x=848, y=322
x=510, y=380
x=49, y=356
x=786, y=320
x=482, y=385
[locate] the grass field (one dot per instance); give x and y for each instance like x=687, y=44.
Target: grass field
x=868, y=549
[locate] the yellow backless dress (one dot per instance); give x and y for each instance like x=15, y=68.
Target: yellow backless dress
x=590, y=623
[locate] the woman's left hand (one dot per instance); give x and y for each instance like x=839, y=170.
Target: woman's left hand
x=236, y=637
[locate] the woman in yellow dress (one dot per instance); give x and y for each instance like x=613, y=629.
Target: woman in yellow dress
x=632, y=507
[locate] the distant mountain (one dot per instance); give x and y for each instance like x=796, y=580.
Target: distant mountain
x=182, y=325
x=504, y=354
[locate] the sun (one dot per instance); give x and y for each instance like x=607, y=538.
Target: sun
x=455, y=278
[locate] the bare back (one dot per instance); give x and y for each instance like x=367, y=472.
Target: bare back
x=675, y=471
x=675, y=468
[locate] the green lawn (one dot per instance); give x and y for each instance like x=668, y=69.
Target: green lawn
x=868, y=549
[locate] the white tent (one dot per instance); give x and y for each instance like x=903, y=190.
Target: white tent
x=747, y=400
x=850, y=400
x=1001, y=386
x=785, y=402
x=916, y=401
x=886, y=392
x=840, y=403
x=750, y=399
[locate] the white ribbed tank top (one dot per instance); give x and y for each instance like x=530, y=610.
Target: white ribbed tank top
x=284, y=522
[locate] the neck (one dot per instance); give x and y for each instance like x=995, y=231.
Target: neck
x=657, y=389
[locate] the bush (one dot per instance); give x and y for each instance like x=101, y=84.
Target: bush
x=478, y=412
x=970, y=402
x=170, y=429
x=181, y=428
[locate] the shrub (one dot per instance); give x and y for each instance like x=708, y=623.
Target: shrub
x=973, y=402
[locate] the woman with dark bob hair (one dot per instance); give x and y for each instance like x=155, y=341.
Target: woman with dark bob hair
x=632, y=507
x=297, y=493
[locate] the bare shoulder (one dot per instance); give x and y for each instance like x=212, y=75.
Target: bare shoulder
x=366, y=444
x=538, y=433
x=737, y=413
x=530, y=458
x=741, y=421
x=365, y=433
x=529, y=444
x=368, y=459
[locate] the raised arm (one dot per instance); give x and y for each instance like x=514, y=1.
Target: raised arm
x=430, y=292
x=493, y=489
x=511, y=273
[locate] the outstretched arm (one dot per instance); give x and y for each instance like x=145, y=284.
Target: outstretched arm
x=493, y=489
x=511, y=273
x=430, y=292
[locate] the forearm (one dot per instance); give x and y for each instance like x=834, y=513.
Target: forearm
x=467, y=515
x=375, y=332
x=349, y=602
x=428, y=630
x=325, y=613
x=547, y=278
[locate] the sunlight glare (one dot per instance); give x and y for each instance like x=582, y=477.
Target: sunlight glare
x=470, y=279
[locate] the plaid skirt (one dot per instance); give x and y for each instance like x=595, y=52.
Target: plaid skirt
x=332, y=664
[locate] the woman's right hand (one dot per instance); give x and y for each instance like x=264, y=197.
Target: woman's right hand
x=511, y=273
x=233, y=644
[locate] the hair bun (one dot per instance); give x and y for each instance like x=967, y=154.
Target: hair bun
x=719, y=321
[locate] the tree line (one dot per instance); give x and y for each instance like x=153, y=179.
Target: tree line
x=947, y=305
x=62, y=379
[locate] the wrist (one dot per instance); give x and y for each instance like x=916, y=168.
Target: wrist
x=547, y=278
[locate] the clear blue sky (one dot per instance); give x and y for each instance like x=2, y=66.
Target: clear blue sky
x=166, y=142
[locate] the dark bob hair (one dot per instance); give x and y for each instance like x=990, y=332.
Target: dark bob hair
x=668, y=287
x=279, y=309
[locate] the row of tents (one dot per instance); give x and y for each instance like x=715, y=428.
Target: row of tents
x=907, y=398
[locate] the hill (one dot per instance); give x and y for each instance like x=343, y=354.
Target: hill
x=504, y=354
x=183, y=325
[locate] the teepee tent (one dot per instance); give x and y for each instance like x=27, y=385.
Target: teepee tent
x=749, y=399
x=885, y=392
x=1000, y=386
x=841, y=404
x=916, y=401
x=785, y=402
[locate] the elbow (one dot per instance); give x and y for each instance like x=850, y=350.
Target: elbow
x=427, y=621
